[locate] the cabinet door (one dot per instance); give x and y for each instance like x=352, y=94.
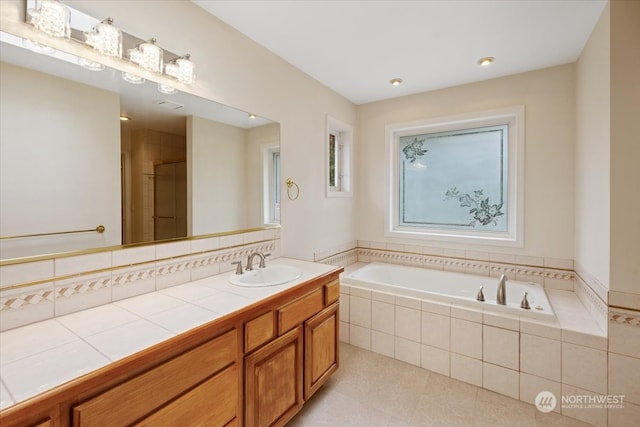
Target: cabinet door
x=273, y=381
x=321, y=349
x=212, y=403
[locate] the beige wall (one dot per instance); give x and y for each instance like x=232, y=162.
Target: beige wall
x=217, y=176
x=625, y=148
x=43, y=190
x=592, y=156
x=549, y=99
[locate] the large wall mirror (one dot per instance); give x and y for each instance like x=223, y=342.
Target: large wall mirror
x=180, y=166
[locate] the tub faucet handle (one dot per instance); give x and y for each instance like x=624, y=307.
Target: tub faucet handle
x=525, y=302
x=480, y=296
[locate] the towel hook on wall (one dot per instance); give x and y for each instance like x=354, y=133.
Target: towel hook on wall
x=291, y=184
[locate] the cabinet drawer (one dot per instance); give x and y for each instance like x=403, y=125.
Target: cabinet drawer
x=331, y=292
x=298, y=311
x=259, y=331
x=212, y=403
x=143, y=394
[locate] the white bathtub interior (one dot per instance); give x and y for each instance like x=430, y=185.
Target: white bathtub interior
x=455, y=288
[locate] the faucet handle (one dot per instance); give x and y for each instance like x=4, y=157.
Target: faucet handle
x=263, y=259
x=238, y=265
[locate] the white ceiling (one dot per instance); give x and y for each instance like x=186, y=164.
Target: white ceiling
x=356, y=47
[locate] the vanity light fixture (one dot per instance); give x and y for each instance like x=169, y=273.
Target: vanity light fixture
x=181, y=69
x=147, y=55
x=90, y=65
x=132, y=78
x=487, y=60
x=169, y=90
x=38, y=47
x=395, y=82
x=52, y=18
x=105, y=38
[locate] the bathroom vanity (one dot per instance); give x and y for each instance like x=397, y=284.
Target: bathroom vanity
x=255, y=366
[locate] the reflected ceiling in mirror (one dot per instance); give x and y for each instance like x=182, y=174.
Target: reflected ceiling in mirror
x=68, y=163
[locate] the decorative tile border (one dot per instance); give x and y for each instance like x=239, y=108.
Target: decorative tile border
x=342, y=259
x=523, y=272
x=119, y=281
x=26, y=298
x=625, y=318
x=592, y=301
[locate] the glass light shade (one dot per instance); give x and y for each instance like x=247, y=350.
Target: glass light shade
x=38, y=47
x=147, y=55
x=52, y=18
x=181, y=69
x=106, y=39
x=132, y=78
x=169, y=90
x=90, y=65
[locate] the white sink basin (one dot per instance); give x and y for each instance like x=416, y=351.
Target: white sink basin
x=269, y=276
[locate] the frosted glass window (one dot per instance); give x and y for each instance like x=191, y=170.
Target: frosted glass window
x=457, y=178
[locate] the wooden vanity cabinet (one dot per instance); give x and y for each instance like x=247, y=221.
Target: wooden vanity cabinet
x=321, y=355
x=285, y=371
x=273, y=381
x=201, y=384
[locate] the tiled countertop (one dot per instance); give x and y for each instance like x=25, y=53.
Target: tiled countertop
x=43, y=355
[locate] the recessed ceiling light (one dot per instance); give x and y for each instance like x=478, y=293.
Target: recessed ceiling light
x=487, y=60
x=395, y=82
x=252, y=116
x=124, y=118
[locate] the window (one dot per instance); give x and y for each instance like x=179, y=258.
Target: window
x=271, y=170
x=339, y=146
x=458, y=178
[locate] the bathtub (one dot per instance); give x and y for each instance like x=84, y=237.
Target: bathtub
x=454, y=288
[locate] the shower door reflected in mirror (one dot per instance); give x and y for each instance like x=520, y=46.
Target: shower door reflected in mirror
x=170, y=200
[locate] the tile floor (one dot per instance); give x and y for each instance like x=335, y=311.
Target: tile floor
x=373, y=390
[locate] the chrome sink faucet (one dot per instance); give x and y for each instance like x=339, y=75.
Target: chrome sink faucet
x=501, y=297
x=250, y=258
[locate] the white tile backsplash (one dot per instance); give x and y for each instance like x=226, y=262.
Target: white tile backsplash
x=360, y=311
x=624, y=339
x=435, y=359
x=466, y=338
x=408, y=323
x=383, y=317
x=17, y=273
x=501, y=380
x=624, y=377
x=500, y=347
x=530, y=386
x=82, y=263
x=466, y=369
x=584, y=367
x=408, y=351
x=382, y=343
x=435, y=330
x=540, y=356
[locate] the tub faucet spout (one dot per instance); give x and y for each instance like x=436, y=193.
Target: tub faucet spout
x=501, y=297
